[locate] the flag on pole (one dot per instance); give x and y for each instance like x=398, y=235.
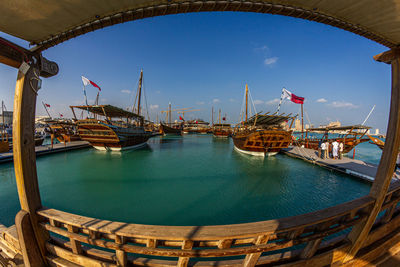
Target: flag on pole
x=292, y=97
x=180, y=118
x=61, y=115
x=47, y=105
x=86, y=82
x=223, y=118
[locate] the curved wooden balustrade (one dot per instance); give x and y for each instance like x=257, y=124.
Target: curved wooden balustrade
x=94, y=242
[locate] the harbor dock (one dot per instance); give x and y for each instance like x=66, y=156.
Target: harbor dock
x=48, y=149
x=353, y=167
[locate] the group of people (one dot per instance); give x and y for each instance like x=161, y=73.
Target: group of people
x=337, y=149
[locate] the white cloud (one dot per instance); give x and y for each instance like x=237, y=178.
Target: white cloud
x=200, y=103
x=126, y=91
x=261, y=48
x=258, y=102
x=216, y=100
x=322, y=100
x=273, y=101
x=232, y=100
x=154, y=106
x=342, y=104
x=270, y=60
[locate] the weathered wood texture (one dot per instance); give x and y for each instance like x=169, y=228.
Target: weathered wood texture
x=27, y=240
x=386, y=166
x=310, y=239
x=24, y=148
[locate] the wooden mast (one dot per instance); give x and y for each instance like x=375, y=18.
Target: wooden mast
x=140, y=91
x=169, y=113
x=219, y=116
x=247, y=98
x=212, y=115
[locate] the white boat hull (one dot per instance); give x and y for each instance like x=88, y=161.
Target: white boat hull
x=102, y=148
x=253, y=153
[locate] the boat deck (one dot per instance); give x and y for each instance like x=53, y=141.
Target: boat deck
x=353, y=167
x=47, y=149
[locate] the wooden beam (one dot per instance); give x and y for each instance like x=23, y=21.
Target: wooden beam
x=388, y=56
x=27, y=240
x=386, y=166
x=24, y=147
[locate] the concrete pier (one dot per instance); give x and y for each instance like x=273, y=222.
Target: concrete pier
x=47, y=149
x=353, y=167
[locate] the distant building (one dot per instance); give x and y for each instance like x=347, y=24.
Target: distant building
x=334, y=124
x=8, y=118
x=376, y=131
x=297, y=125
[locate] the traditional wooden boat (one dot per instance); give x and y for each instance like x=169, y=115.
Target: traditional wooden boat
x=167, y=130
x=346, y=135
x=221, y=129
x=4, y=144
x=376, y=141
x=262, y=134
x=104, y=133
x=65, y=131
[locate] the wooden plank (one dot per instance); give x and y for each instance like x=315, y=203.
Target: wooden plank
x=251, y=259
x=77, y=259
x=183, y=261
x=75, y=245
x=388, y=56
x=28, y=242
x=386, y=166
x=24, y=148
x=120, y=254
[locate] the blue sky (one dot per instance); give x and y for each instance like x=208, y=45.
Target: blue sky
x=205, y=59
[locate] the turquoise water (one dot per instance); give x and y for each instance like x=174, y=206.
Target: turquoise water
x=190, y=180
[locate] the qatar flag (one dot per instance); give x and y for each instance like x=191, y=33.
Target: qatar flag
x=180, y=118
x=292, y=97
x=47, y=105
x=86, y=82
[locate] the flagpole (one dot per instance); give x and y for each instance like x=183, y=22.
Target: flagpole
x=302, y=123
x=46, y=109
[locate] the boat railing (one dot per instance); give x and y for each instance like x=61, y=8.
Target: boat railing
x=88, y=241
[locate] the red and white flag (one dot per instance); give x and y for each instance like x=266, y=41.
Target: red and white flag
x=292, y=97
x=180, y=118
x=47, y=105
x=86, y=82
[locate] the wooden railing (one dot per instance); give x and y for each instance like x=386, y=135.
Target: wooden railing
x=89, y=242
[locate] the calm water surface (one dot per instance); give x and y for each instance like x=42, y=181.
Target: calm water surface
x=190, y=180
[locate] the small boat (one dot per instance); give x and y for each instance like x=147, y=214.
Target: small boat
x=262, y=134
x=221, y=129
x=113, y=128
x=167, y=130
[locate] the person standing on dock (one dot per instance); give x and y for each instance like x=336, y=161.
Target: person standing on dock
x=323, y=149
x=319, y=149
x=335, y=149
x=340, y=150
x=327, y=149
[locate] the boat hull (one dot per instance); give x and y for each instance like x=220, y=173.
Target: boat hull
x=103, y=136
x=166, y=130
x=261, y=142
x=349, y=143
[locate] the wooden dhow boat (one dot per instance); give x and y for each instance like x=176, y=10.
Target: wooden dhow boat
x=168, y=130
x=262, y=134
x=221, y=129
x=350, y=136
x=108, y=134
x=113, y=128
x=377, y=141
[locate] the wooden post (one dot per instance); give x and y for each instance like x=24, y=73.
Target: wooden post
x=388, y=160
x=24, y=148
